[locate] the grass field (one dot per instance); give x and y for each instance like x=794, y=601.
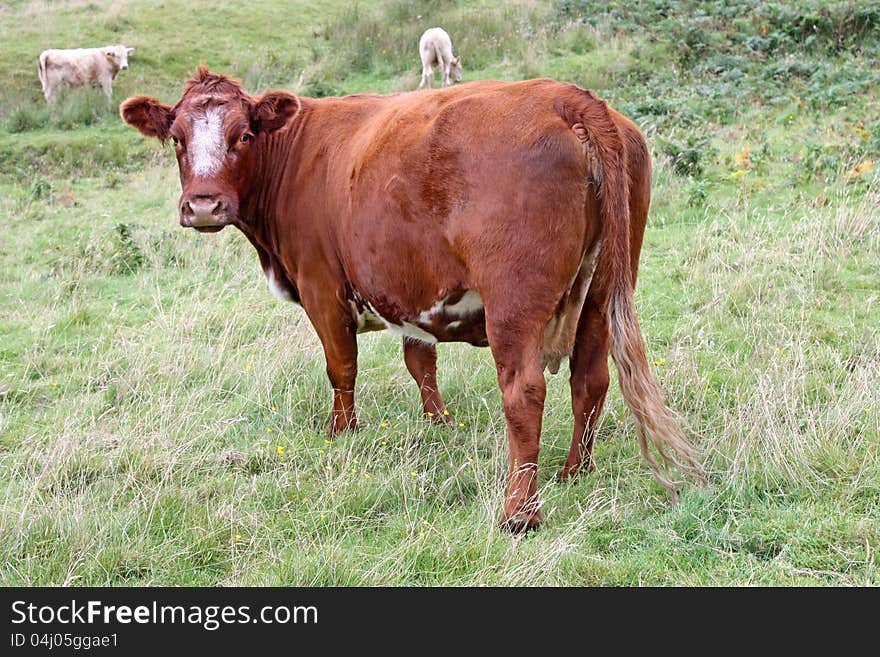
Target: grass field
x=162, y=416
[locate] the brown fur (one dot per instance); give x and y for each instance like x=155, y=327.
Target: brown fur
x=394, y=203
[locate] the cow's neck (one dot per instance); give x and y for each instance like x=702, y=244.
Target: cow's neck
x=260, y=210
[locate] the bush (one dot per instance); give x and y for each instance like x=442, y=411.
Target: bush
x=80, y=107
x=26, y=117
x=688, y=158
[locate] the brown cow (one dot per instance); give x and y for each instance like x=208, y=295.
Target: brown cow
x=589, y=360
x=493, y=213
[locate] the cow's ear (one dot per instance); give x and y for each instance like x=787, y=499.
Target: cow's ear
x=128, y=51
x=273, y=110
x=148, y=115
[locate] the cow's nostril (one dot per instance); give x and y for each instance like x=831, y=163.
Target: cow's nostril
x=186, y=209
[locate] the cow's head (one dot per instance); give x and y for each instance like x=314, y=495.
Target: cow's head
x=215, y=128
x=118, y=56
x=455, y=69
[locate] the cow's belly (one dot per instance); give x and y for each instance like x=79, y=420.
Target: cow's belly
x=459, y=317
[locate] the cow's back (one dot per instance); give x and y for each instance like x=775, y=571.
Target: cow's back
x=75, y=65
x=437, y=173
x=433, y=41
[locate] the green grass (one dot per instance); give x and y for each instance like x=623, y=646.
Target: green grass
x=162, y=417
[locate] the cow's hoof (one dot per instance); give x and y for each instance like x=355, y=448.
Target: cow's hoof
x=337, y=427
x=521, y=522
x=443, y=417
x=570, y=473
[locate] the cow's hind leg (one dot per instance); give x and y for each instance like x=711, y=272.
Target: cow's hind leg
x=516, y=348
x=421, y=361
x=589, y=384
x=427, y=77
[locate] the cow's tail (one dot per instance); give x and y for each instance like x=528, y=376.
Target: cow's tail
x=607, y=155
x=42, y=70
x=438, y=55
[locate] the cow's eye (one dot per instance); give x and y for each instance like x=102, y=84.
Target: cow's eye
x=175, y=140
x=246, y=137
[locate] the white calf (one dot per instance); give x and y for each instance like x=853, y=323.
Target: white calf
x=80, y=66
x=435, y=49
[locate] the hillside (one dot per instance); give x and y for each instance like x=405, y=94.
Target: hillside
x=162, y=415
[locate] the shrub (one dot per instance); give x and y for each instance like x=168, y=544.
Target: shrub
x=688, y=158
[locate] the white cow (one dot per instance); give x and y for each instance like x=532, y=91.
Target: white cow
x=80, y=66
x=435, y=49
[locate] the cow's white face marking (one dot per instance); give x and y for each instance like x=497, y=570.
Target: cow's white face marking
x=275, y=287
x=207, y=149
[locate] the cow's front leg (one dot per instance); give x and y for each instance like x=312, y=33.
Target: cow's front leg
x=445, y=77
x=340, y=351
x=421, y=361
x=107, y=88
x=336, y=329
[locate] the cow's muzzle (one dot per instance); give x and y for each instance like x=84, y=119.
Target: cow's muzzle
x=204, y=213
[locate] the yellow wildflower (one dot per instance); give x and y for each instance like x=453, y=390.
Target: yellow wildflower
x=280, y=450
x=861, y=168
x=741, y=159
